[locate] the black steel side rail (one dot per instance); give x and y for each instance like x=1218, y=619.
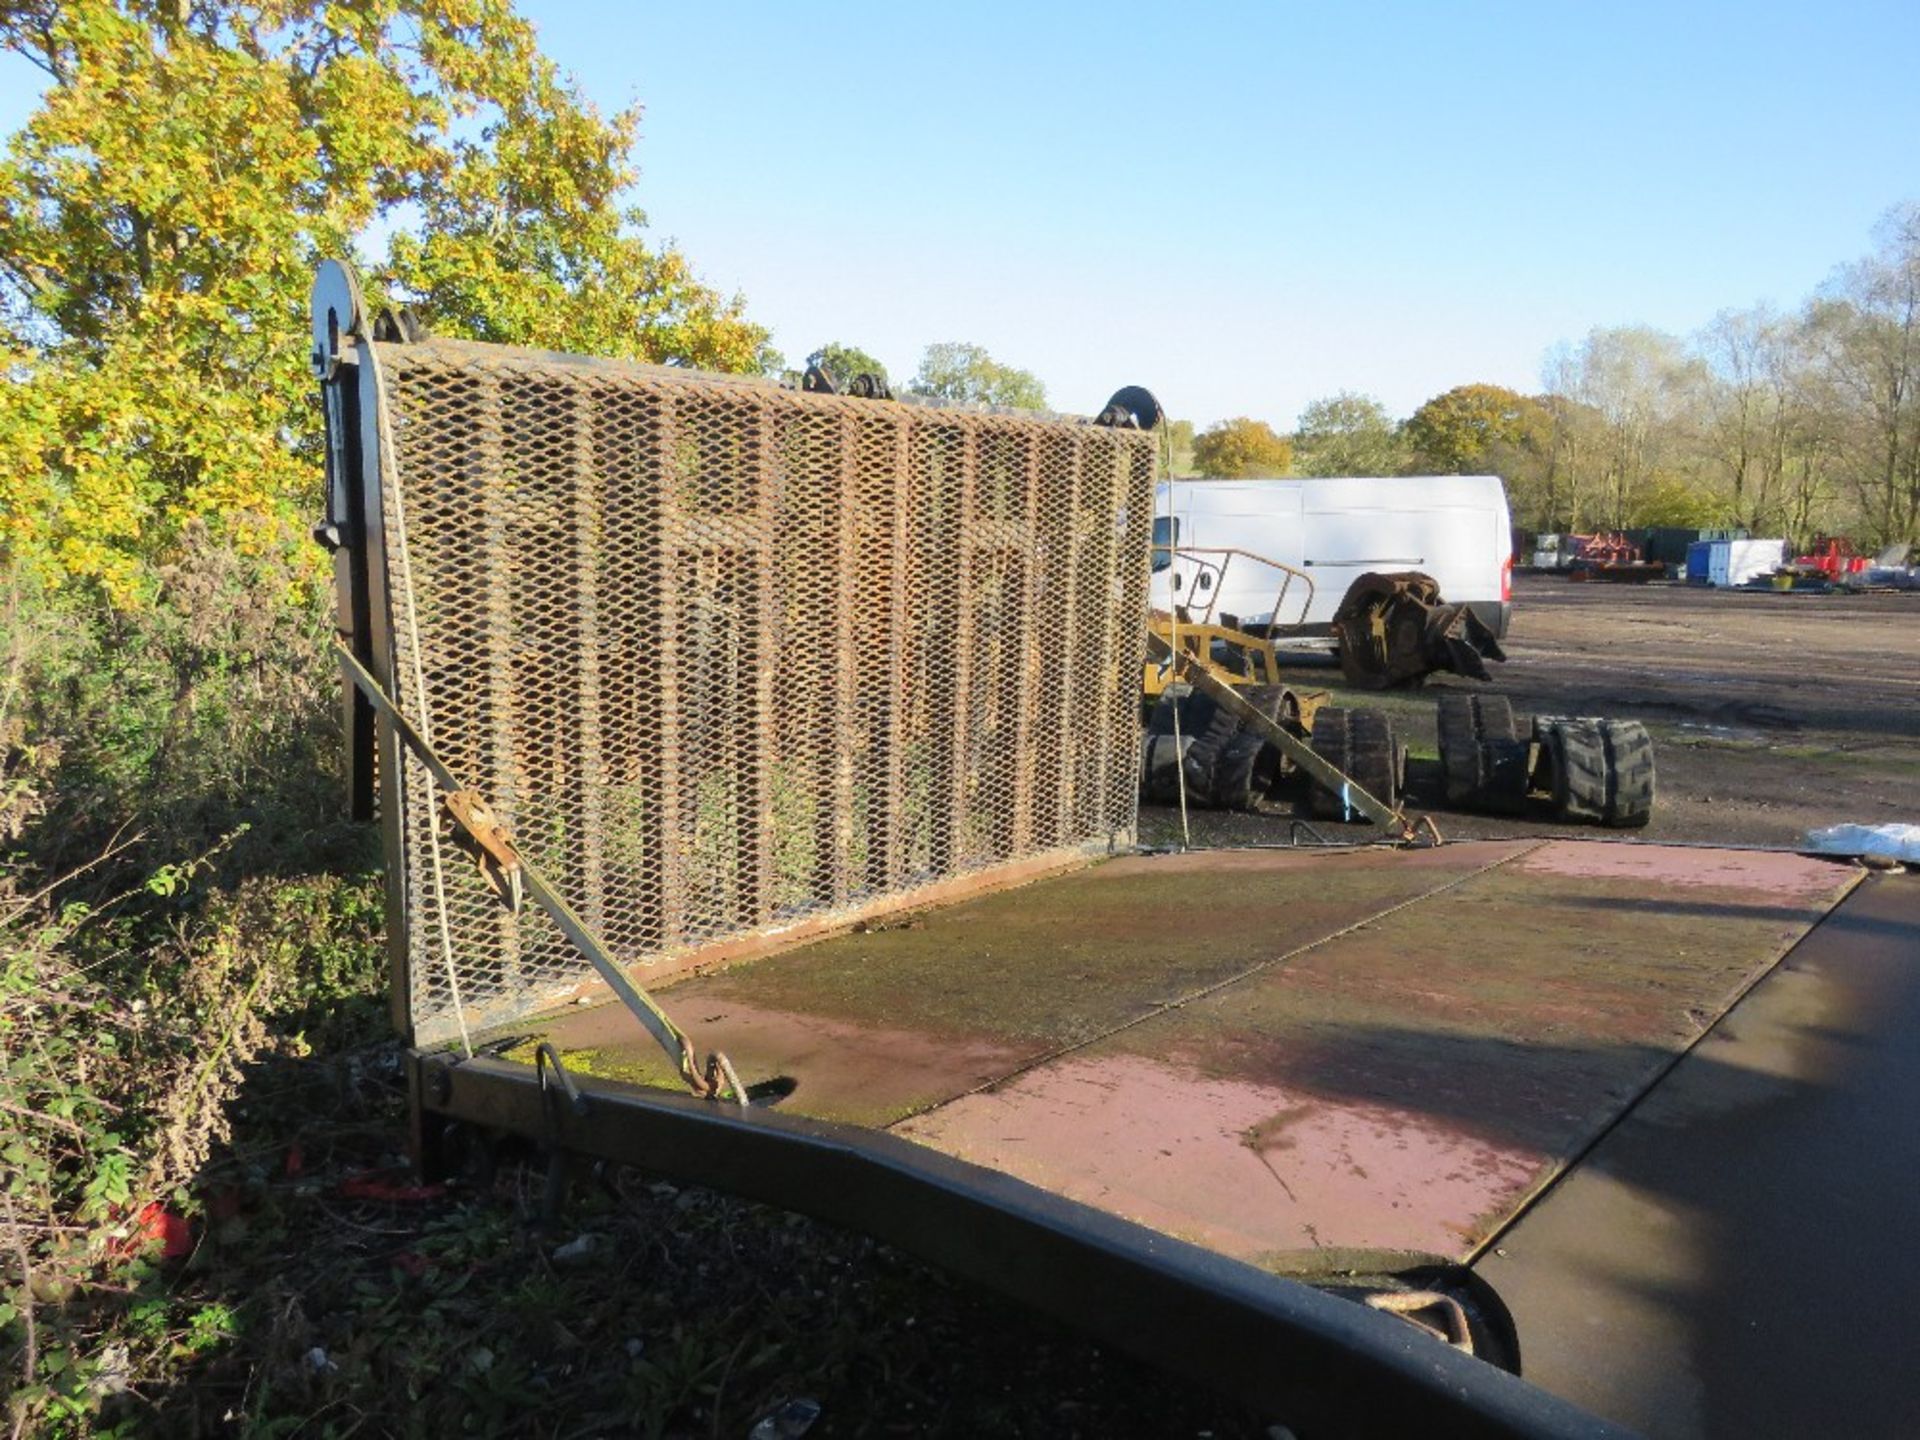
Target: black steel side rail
x=1321, y=1364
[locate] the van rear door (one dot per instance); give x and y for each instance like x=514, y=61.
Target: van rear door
x=1456, y=544
x=1344, y=542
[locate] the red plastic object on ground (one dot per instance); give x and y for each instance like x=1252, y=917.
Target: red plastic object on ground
x=157, y=1225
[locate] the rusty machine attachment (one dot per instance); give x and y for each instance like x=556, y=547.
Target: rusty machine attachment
x=1394, y=630
x=1233, y=653
x=1238, y=742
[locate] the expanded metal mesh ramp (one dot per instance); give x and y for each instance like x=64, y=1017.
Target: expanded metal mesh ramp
x=740, y=666
x=728, y=657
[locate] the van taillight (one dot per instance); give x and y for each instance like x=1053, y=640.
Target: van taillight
x=1506, y=578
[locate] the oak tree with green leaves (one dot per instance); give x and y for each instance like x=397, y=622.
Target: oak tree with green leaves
x=162, y=210
x=1464, y=430
x=1348, y=434
x=956, y=373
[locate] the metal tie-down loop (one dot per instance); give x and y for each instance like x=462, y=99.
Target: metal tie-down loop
x=514, y=879
x=546, y=1058
x=1414, y=1305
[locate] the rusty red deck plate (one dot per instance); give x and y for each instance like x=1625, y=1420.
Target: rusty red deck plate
x=1289, y=1058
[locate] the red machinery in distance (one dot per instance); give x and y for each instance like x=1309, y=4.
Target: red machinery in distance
x=1609, y=555
x=1832, y=556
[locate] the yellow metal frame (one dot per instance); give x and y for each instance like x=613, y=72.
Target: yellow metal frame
x=1259, y=665
x=1228, y=554
x=1257, y=662
x=1295, y=749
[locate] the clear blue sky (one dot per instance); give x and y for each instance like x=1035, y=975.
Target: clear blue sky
x=1245, y=207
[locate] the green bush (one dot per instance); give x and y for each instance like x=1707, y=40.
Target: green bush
x=179, y=902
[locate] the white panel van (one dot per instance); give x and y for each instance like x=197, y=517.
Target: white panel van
x=1452, y=527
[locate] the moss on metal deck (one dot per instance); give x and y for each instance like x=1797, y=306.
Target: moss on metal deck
x=1273, y=1053
x=882, y=1023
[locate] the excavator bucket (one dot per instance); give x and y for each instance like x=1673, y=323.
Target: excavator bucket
x=1394, y=629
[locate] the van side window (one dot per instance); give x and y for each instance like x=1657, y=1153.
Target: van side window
x=1166, y=535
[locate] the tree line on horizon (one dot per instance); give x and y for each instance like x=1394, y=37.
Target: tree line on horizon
x=952, y=372
x=1786, y=423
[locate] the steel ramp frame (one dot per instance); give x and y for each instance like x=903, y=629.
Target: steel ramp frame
x=1326, y=1365
x=1029, y=676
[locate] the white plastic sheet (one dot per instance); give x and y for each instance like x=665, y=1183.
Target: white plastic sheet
x=1901, y=842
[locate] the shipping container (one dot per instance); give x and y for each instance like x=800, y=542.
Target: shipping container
x=1727, y=563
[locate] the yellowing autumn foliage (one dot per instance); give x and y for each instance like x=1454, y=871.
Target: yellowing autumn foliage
x=162, y=211
x=1241, y=447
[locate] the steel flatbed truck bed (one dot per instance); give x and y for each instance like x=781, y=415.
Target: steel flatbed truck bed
x=815, y=715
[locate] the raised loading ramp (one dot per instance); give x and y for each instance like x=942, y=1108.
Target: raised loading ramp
x=814, y=710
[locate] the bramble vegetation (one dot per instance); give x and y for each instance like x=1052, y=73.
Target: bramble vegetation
x=181, y=906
